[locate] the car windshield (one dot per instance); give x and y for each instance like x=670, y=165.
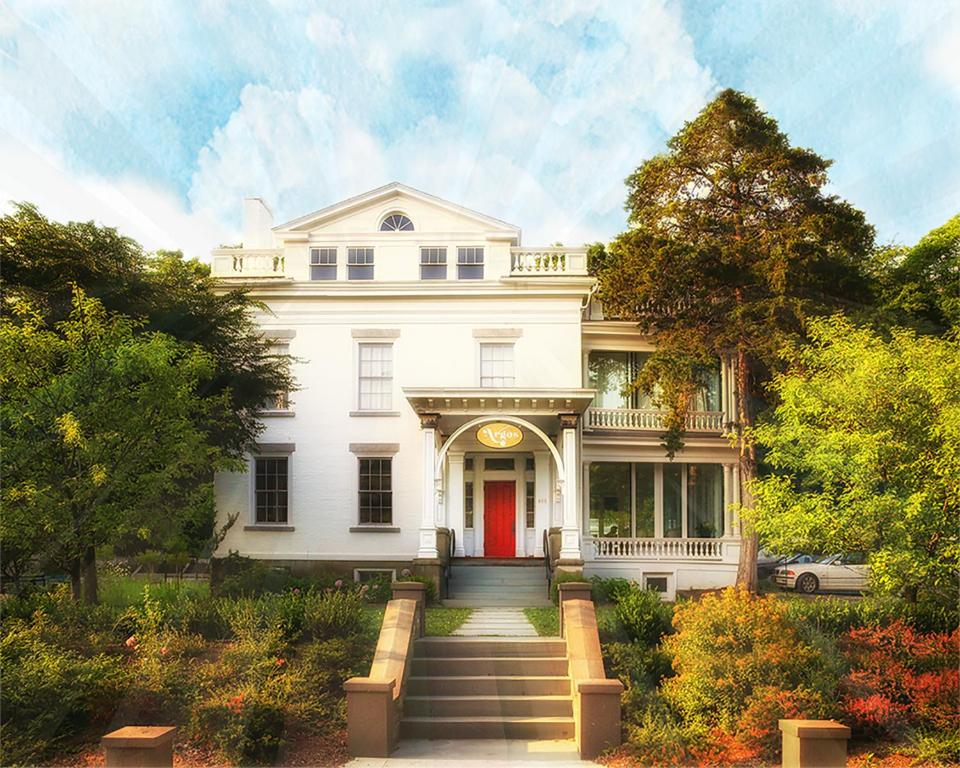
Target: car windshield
x=828, y=559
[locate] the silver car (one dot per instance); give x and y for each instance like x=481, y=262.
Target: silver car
x=836, y=573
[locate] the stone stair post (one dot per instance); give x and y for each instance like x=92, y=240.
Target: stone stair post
x=814, y=743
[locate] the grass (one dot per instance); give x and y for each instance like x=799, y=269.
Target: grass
x=546, y=620
x=124, y=591
x=442, y=622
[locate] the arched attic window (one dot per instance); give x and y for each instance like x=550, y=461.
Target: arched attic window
x=396, y=222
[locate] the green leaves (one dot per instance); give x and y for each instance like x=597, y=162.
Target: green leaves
x=865, y=446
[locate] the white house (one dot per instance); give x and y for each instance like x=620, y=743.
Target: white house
x=449, y=377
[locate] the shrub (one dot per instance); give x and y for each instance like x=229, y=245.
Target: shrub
x=737, y=656
x=900, y=678
x=609, y=590
x=655, y=736
x=644, y=615
x=50, y=693
x=246, y=724
x=335, y=613
x=836, y=615
x=636, y=666
x=380, y=589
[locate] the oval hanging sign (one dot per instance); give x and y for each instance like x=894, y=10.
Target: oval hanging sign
x=499, y=435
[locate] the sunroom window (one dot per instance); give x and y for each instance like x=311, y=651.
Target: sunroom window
x=610, y=372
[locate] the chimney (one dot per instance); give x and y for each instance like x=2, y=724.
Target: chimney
x=257, y=221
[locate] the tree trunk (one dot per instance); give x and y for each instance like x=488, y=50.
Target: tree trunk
x=75, y=583
x=749, y=544
x=90, y=575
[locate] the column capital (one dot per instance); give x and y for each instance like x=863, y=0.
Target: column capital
x=569, y=420
x=429, y=420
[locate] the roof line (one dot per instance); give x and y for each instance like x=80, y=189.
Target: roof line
x=391, y=187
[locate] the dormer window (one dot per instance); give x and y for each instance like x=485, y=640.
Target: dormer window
x=396, y=222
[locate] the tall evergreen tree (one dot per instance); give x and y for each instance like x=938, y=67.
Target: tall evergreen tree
x=732, y=245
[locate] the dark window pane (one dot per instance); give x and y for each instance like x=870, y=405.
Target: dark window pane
x=323, y=272
x=645, y=525
x=359, y=273
x=433, y=272
x=270, y=495
x=672, y=500
x=531, y=504
x=610, y=499
x=469, y=272
x=501, y=464
x=704, y=501
x=375, y=495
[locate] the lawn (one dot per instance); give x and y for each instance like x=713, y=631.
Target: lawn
x=124, y=591
x=444, y=621
x=546, y=620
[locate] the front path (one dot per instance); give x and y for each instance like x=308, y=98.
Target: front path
x=496, y=622
x=492, y=753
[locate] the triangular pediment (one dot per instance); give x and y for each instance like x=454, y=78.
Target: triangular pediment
x=363, y=214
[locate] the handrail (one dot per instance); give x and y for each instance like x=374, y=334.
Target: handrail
x=596, y=699
x=374, y=702
x=448, y=568
x=548, y=559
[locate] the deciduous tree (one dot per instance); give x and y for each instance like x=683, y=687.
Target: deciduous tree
x=864, y=445
x=102, y=426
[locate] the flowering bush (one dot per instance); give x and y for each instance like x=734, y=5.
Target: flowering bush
x=740, y=664
x=900, y=678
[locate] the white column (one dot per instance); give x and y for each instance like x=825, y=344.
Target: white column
x=453, y=499
x=570, y=532
x=428, y=526
x=727, y=500
x=544, y=499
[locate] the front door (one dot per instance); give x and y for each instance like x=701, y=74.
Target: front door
x=499, y=518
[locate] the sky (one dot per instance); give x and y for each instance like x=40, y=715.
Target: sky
x=158, y=116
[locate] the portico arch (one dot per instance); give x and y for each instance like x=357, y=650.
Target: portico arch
x=480, y=421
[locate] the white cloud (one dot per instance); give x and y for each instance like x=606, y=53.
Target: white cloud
x=155, y=218
x=543, y=129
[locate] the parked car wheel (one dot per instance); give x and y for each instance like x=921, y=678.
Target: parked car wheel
x=807, y=583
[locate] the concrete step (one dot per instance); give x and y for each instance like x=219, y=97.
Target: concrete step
x=494, y=666
x=462, y=647
x=494, y=562
x=488, y=685
x=489, y=601
x=499, y=589
x=488, y=706
x=474, y=727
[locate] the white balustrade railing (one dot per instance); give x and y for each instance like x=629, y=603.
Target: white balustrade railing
x=658, y=549
x=228, y=262
x=555, y=260
x=629, y=418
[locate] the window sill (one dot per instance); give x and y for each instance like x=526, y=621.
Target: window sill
x=277, y=413
x=374, y=413
x=267, y=527
x=374, y=529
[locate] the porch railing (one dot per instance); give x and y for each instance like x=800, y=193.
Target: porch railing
x=629, y=418
x=658, y=549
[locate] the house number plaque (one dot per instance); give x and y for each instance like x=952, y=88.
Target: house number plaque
x=499, y=435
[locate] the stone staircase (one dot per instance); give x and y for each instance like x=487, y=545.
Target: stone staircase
x=486, y=688
x=484, y=584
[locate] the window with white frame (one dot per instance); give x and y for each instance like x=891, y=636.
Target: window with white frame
x=271, y=489
x=375, y=385
x=496, y=365
x=433, y=263
x=396, y=222
x=359, y=263
x=470, y=263
x=323, y=263
x=376, y=490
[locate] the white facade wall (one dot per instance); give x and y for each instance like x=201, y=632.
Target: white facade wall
x=435, y=328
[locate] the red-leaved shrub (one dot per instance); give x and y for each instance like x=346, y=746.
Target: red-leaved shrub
x=900, y=678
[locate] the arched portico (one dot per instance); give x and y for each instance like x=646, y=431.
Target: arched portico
x=516, y=421
x=533, y=410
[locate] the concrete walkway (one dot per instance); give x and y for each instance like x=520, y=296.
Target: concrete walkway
x=492, y=753
x=496, y=622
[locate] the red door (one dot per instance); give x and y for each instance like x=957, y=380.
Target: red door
x=499, y=518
